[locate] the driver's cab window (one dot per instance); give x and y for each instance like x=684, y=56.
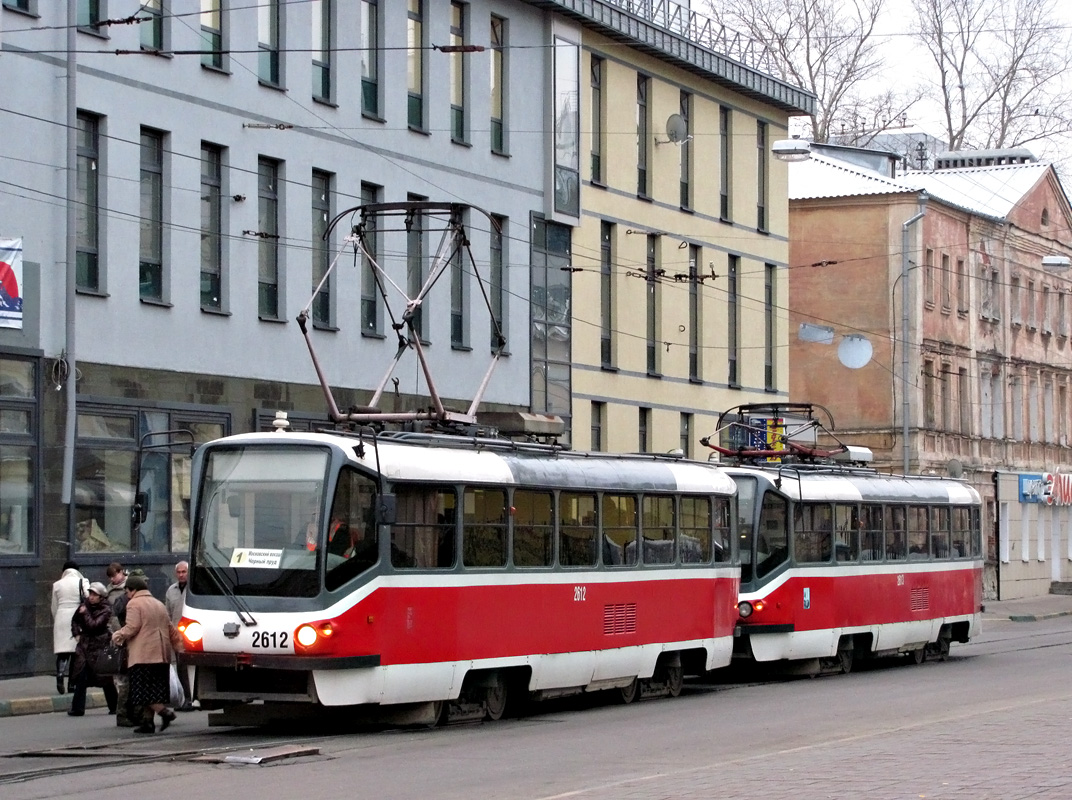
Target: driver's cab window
x=772, y=538
x=746, y=509
x=352, y=536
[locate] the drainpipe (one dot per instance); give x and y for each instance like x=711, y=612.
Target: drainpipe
x=905, y=401
x=71, y=255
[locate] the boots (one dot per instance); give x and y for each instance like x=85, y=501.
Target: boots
x=63, y=664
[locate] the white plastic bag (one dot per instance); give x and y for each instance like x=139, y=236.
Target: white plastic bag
x=178, y=697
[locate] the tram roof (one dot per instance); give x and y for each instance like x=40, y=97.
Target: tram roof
x=857, y=486
x=431, y=460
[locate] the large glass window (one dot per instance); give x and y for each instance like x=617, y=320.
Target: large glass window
x=534, y=526
x=415, y=63
x=733, y=322
x=484, y=528
x=268, y=44
x=211, y=227
x=151, y=271
x=459, y=69
x=423, y=536
x=416, y=266
x=499, y=237
x=321, y=253
x=686, y=153
x=88, y=14
x=322, y=11
x=18, y=456
x=370, y=57
x=577, y=530
x=152, y=32
x=725, y=162
x=643, y=125
x=567, y=128
x=695, y=301
x=87, y=211
x=268, y=243
x=606, y=293
x=498, y=85
x=551, y=321
x=370, y=296
x=769, y=326
x=211, y=34
x=598, y=67
x=762, y=176
x=652, y=296
x=459, y=297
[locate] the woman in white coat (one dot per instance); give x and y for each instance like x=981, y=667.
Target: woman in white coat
x=67, y=594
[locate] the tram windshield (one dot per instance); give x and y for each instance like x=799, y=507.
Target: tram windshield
x=763, y=530
x=257, y=525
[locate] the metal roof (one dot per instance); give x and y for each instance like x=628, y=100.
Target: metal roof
x=819, y=176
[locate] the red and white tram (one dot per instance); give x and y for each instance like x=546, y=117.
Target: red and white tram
x=389, y=569
x=841, y=561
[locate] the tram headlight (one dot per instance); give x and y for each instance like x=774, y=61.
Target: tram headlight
x=744, y=608
x=193, y=634
x=314, y=635
x=306, y=636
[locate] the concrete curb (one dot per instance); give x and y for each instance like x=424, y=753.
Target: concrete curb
x=48, y=705
x=1038, y=617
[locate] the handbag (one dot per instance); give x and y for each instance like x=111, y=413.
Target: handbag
x=111, y=660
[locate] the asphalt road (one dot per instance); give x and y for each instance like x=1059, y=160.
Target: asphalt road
x=991, y=722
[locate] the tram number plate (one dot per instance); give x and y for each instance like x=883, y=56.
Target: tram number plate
x=271, y=640
x=579, y=593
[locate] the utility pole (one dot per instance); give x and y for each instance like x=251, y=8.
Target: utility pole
x=906, y=406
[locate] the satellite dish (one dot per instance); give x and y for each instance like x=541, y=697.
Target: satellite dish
x=854, y=351
x=822, y=334
x=954, y=468
x=676, y=128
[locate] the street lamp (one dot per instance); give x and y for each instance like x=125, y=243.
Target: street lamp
x=791, y=149
x=1056, y=263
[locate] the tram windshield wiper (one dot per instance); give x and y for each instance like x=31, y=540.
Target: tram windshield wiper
x=237, y=603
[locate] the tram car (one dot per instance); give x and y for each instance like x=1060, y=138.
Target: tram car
x=441, y=575
x=840, y=562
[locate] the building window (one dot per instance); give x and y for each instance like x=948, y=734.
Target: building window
x=151, y=32
x=928, y=277
x=1016, y=402
x=498, y=85
x=1062, y=415
x=643, y=84
x=567, y=128
x=107, y=477
x=652, y=303
x=151, y=249
x=370, y=295
x=686, y=153
x=929, y=411
x=1048, y=428
x=415, y=266
x=695, y=332
x=762, y=182
x=459, y=74
x=946, y=278
x=28, y=6
x=459, y=298
x=965, y=401
x=211, y=227
x=1062, y=313
x=1031, y=316
x=415, y=63
x=725, y=160
x=1033, y=409
x=606, y=294
x=1014, y=301
x=944, y=391
x=87, y=256
x=598, y=68
x=599, y=412
x=497, y=268
x=962, y=287
x=268, y=230
x=370, y=57
x=644, y=429
x=552, y=334
x=769, y=326
x=321, y=250
x=268, y=43
x=685, y=435
x=211, y=34
x=19, y=455
x=733, y=323
x=322, y=11
x=89, y=15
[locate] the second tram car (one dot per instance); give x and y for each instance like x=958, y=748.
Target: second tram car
x=451, y=572
x=841, y=562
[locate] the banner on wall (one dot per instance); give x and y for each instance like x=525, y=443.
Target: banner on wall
x=10, y=283
x=1052, y=489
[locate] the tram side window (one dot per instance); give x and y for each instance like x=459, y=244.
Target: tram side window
x=961, y=533
x=577, y=530
x=813, y=526
x=658, y=529
x=918, y=535
x=722, y=544
x=846, y=524
x=772, y=546
x=940, y=517
x=423, y=534
x=484, y=528
x=619, y=529
x=696, y=530
x=896, y=533
x=353, y=542
x=871, y=547
x=976, y=533
x=534, y=526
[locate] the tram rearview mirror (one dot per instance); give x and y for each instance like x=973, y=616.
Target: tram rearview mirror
x=234, y=506
x=386, y=509
x=141, y=507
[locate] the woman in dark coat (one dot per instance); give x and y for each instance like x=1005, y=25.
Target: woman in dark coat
x=90, y=626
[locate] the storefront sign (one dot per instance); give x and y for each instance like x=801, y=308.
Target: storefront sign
x=1052, y=489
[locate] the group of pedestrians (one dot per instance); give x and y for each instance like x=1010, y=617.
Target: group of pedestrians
x=87, y=617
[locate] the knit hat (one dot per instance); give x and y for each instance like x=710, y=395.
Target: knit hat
x=98, y=589
x=136, y=582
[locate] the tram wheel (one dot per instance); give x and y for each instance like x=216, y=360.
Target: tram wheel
x=675, y=679
x=845, y=657
x=940, y=649
x=627, y=694
x=919, y=655
x=495, y=700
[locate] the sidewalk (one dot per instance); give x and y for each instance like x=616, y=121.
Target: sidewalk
x=37, y=694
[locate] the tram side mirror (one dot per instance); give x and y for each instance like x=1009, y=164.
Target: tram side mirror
x=234, y=506
x=386, y=509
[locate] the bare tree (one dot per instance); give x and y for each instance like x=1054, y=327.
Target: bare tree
x=826, y=46
x=1000, y=69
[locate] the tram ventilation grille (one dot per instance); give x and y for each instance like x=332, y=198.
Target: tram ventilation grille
x=619, y=618
x=920, y=599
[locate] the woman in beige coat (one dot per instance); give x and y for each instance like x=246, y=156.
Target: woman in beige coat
x=150, y=639
x=67, y=594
